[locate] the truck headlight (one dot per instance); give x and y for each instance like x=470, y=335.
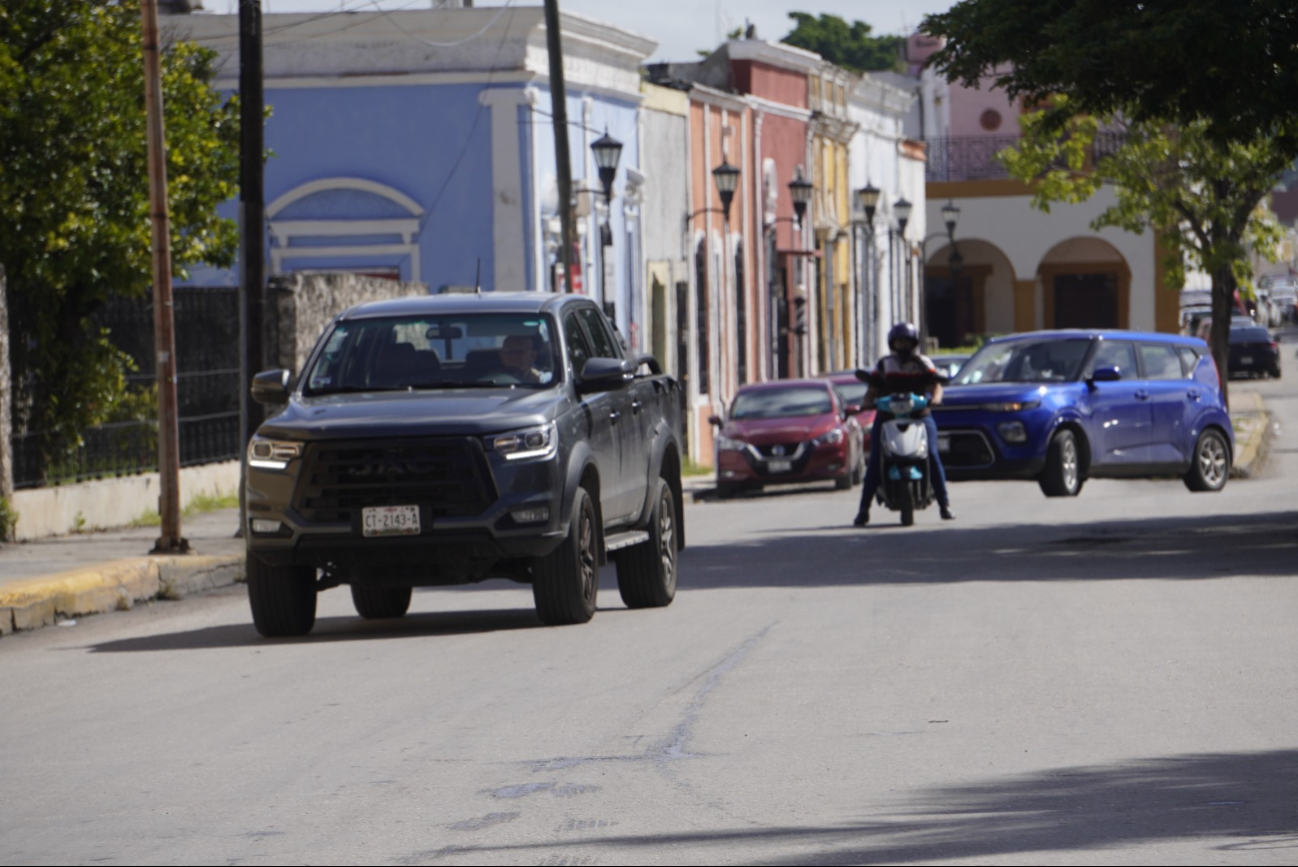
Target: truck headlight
x=272, y=454
x=529, y=444
x=726, y=444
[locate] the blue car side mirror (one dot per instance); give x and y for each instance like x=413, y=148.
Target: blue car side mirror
x=1105, y=374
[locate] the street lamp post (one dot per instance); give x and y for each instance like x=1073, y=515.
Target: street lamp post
x=868, y=198
x=608, y=151
x=800, y=191
x=901, y=208
x=726, y=179
x=950, y=216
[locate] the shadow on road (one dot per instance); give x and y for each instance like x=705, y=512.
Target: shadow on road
x=1153, y=548
x=333, y=629
x=1243, y=797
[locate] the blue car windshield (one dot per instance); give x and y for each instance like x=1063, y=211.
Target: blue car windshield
x=1026, y=361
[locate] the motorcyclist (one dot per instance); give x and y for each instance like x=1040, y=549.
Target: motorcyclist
x=904, y=370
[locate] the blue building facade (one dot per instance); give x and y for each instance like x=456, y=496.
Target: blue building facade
x=419, y=146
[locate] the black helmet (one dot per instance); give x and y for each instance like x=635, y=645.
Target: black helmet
x=903, y=331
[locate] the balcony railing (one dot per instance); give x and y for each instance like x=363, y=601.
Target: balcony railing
x=973, y=157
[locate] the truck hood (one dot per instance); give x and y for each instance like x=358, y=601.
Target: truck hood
x=466, y=412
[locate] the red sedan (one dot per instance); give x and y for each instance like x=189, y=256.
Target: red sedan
x=854, y=391
x=799, y=430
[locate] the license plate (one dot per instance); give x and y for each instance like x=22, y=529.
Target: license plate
x=390, y=521
x=1246, y=359
x=779, y=466
x=943, y=444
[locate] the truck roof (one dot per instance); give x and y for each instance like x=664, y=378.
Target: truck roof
x=461, y=304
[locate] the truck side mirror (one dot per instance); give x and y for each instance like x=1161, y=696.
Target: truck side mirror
x=605, y=374
x=1105, y=374
x=270, y=387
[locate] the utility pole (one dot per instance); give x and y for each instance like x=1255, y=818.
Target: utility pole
x=559, y=100
x=252, y=210
x=164, y=326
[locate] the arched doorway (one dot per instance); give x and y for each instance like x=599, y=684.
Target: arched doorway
x=1085, y=283
x=975, y=300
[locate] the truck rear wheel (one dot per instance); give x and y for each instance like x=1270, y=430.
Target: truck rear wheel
x=380, y=603
x=565, y=582
x=282, y=598
x=646, y=573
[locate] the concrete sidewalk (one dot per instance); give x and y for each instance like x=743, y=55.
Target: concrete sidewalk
x=51, y=580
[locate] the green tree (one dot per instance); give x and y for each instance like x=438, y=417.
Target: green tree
x=1202, y=197
x=1231, y=65
x=74, y=193
x=849, y=46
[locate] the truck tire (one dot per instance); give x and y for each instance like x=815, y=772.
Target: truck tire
x=565, y=582
x=380, y=603
x=646, y=573
x=1062, y=476
x=1210, y=466
x=282, y=598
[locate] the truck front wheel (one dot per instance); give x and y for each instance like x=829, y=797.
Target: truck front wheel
x=565, y=582
x=646, y=573
x=282, y=598
x=380, y=603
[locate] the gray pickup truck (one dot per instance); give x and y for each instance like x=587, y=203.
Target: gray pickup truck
x=448, y=439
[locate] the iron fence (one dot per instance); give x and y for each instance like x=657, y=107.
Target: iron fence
x=207, y=392
x=974, y=158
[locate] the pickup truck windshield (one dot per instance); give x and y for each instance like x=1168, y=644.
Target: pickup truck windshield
x=489, y=350
x=1026, y=361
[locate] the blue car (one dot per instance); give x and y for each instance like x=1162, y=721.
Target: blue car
x=1060, y=407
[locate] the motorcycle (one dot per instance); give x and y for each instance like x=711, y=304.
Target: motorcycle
x=906, y=484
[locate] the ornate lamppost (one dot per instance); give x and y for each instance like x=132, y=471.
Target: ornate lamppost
x=901, y=209
x=868, y=198
x=608, y=151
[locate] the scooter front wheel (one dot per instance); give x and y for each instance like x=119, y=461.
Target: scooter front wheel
x=906, y=505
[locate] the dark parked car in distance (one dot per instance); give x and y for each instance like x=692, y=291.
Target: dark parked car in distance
x=1253, y=352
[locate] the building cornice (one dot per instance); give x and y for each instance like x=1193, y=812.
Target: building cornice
x=871, y=93
x=720, y=98
x=775, y=54
x=473, y=45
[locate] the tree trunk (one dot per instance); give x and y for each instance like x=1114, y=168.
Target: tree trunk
x=1223, y=308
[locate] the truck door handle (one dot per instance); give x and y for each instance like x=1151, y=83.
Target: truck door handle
x=635, y=406
x=614, y=416
x=1193, y=394
x=1142, y=395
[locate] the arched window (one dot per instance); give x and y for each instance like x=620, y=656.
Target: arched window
x=350, y=224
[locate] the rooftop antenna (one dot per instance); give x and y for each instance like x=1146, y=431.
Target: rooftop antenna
x=477, y=281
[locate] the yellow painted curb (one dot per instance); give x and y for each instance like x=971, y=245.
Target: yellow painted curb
x=34, y=602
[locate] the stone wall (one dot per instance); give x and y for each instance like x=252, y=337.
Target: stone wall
x=304, y=302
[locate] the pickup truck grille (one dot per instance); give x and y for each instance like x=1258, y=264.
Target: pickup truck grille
x=446, y=476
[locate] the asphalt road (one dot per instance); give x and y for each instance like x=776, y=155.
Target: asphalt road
x=1106, y=680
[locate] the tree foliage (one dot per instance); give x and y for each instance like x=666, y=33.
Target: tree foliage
x=1232, y=66
x=74, y=192
x=849, y=46
x=1203, y=198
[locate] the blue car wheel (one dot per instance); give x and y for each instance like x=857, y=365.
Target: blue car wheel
x=1062, y=476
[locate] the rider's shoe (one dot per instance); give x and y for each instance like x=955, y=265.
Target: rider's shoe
x=862, y=518
x=946, y=513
